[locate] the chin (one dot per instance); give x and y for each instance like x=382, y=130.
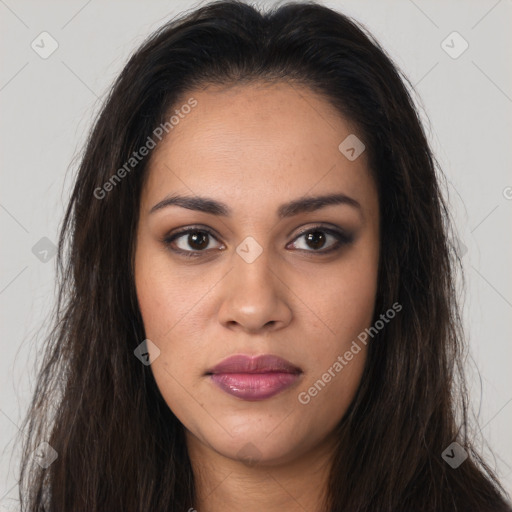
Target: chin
x=259, y=448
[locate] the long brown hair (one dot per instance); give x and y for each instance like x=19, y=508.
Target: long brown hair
x=119, y=447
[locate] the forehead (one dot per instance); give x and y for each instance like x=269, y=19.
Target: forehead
x=255, y=143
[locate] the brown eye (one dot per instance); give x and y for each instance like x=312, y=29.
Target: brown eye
x=198, y=240
x=190, y=241
x=315, y=240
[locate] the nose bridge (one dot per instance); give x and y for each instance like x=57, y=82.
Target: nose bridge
x=252, y=277
x=253, y=297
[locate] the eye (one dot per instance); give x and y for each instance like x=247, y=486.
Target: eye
x=317, y=237
x=191, y=241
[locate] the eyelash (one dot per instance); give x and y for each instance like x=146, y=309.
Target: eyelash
x=342, y=239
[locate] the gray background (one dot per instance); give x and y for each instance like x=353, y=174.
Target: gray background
x=47, y=106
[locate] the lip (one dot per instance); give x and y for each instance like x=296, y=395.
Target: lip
x=254, y=378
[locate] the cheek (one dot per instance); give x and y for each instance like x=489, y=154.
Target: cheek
x=355, y=303
x=345, y=304
x=337, y=361
x=171, y=303
x=165, y=297
x=167, y=305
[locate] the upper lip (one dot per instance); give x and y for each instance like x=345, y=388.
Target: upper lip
x=266, y=363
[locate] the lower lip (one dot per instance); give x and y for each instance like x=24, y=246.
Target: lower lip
x=254, y=386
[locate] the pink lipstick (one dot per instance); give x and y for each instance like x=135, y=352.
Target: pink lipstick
x=254, y=378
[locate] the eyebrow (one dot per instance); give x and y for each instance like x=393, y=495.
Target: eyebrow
x=214, y=207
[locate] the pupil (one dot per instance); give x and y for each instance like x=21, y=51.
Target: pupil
x=198, y=240
x=317, y=238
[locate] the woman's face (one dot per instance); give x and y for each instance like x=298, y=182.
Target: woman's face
x=267, y=272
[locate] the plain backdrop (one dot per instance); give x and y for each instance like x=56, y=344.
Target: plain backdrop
x=46, y=110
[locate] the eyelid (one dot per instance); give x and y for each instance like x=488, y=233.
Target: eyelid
x=342, y=236
x=331, y=228
x=180, y=232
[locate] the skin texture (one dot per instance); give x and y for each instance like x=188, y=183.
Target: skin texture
x=254, y=147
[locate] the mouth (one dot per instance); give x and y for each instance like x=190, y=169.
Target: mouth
x=254, y=378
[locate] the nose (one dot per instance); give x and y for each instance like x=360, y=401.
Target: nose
x=254, y=297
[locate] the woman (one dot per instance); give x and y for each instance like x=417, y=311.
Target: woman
x=256, y=307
